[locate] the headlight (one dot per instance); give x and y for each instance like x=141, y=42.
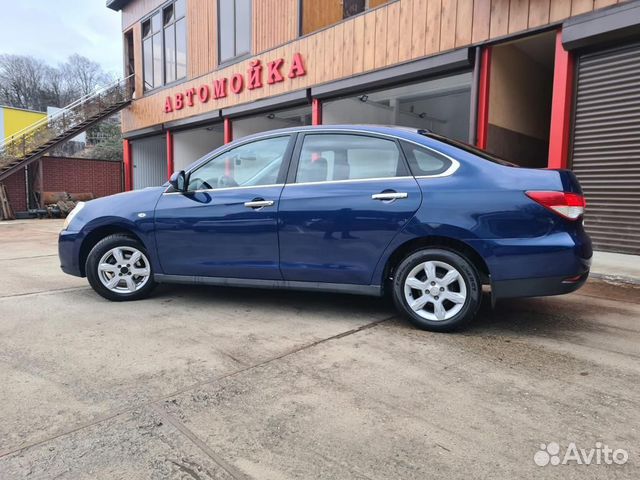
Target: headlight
x=79, y=206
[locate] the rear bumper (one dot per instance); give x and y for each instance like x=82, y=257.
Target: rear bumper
x=551, y=265
x=69, y=252
x=538, y=287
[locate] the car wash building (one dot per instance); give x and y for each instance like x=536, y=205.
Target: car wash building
x=543, y=83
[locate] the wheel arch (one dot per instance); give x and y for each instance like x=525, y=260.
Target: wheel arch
x=446, y=243
x=98, y=234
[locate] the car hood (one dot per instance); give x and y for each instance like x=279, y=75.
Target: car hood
x=128, y=207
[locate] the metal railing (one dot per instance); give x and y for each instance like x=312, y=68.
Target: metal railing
x=55, y=127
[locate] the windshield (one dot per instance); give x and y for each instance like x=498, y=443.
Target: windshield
x=469, y=148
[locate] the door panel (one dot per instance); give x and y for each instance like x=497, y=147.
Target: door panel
x=336, y=232
x=213, y=233
x=226, y=224
x=349, y=196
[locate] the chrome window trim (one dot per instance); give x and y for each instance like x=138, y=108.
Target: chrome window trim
x=353, y=180
x=455, y=164
x=239, y=187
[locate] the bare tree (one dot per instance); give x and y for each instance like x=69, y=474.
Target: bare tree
x=22, y=81
x=26, y=82
x=57, y=91
x=83, y=75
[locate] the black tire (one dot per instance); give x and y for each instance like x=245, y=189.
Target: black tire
x=93, y=260
x=468, y=275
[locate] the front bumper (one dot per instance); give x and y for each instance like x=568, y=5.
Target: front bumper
x=69, y=252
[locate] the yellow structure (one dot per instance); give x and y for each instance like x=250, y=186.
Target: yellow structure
x=12, y=120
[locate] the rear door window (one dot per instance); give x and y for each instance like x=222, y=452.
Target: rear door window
x=335, y=157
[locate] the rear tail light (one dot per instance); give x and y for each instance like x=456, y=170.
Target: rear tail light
x=568, y=205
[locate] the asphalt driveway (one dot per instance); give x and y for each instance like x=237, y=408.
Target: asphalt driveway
x=204, y=383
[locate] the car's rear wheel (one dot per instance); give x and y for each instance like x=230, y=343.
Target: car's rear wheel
x=118, y=268
x=437, y=289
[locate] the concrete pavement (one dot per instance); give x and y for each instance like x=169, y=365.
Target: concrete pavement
x=616, y=267
x=227, y=383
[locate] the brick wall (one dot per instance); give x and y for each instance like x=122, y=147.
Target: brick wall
x=16, y=191
x=79, y=175
x=74, y=175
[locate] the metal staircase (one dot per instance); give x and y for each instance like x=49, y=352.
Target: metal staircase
x=31, y=143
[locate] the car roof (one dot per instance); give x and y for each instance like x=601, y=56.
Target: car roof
x=397, y=131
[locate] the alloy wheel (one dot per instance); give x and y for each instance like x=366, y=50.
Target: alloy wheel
x=435, y=290
x=124, y=270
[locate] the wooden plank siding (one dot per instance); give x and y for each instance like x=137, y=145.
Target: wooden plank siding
x=393, y=33
x=405, y=31
x=419, y=27
x=481, y=20
x=202, y=41
x=559, y=10
x=464, y=22
x=518, y=15
x=380, y=50
x=396, y=32
x=499, y=24
x=538, y=13
x=448, y=24
x=274, y=23
x=134, y=11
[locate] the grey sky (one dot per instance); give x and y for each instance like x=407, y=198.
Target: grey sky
x=53, y=30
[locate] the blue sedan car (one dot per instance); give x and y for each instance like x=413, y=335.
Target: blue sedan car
x=350, y=209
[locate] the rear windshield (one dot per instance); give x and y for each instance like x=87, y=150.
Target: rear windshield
x=469, y=148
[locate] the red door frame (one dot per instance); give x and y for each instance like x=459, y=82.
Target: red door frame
x=561, y=103
x=483, y=98
x=228, y=138
x=128, y=164
x=228, y=131
x=170, y=166
x=316, y=112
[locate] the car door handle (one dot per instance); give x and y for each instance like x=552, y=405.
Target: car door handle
x=258, y=203
x=389, y=196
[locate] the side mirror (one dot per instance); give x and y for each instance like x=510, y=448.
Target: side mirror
x=179, y=181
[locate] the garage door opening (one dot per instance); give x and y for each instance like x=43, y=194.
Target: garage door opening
x=190, y=145
x=149, y=161
x=292, y=117
x=606, y=145
x=440, y=105
x=520, y=93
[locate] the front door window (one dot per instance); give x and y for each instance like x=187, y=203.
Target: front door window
x=249, y=165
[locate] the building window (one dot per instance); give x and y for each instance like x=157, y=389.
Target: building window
x=164, y=46
x=318, y=14
x=234, y=27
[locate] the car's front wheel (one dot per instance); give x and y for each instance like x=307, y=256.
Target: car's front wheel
x=437, y=289
x=118, y=269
